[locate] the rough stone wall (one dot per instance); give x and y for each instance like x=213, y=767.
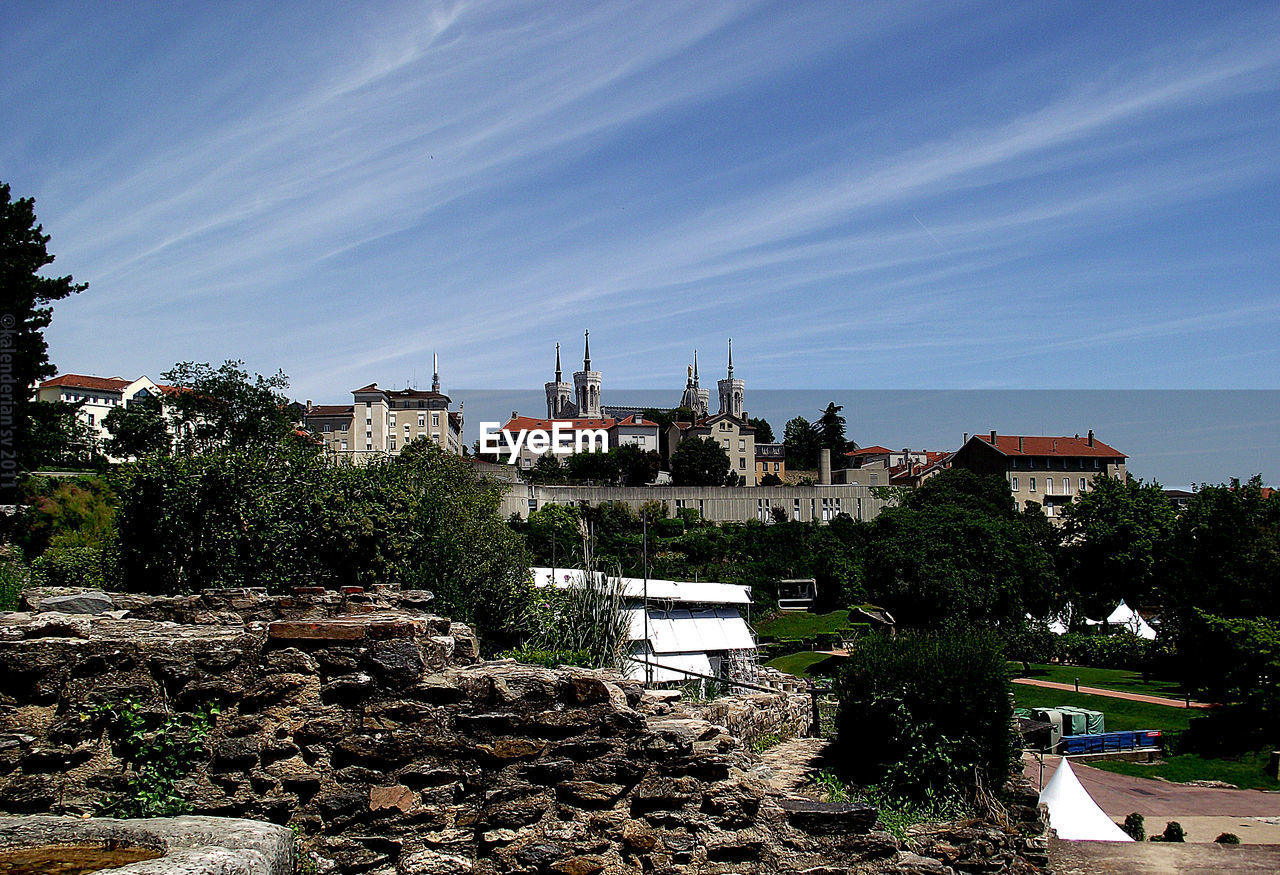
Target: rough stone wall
x=759, y=718
x=375, y=732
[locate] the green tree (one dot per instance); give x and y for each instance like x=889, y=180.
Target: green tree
x=921, y=714
x=138, y=428
x=802, y=442
x=67, y=512
x=59, y=437
x=224, y=408
x=699, y=462
x=547, y=469
x=830, y=429
x=1225, y=557
x=24, y=314
x=636, y=467
x=1117, y=537
x=764, y=431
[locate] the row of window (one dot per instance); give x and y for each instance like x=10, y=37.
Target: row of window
x=1048, y=485
x=1031, y=463
x=107, y=401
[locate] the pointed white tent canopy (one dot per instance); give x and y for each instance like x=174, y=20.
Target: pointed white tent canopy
x=1073, y=813
x=1130, y=619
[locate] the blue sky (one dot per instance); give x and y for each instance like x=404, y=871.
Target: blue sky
x=865, y=195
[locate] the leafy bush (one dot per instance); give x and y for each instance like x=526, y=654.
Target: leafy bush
x=581, y=619
x=1121, y=650
x=1228, y=838
x=548, y=658
x=926, y=715
x=1173, y=832
x=13, y=577
x=1135, y=826
x=87, y=567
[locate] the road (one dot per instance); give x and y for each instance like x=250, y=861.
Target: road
x=1112, y=694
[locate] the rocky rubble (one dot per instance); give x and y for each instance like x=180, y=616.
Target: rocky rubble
x=374, y=730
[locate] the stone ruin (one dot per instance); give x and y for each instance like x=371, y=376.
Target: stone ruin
x=373, y=730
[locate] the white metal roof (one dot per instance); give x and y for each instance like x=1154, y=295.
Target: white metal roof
x=684, y=631
x=682, y=591
x=694, y=662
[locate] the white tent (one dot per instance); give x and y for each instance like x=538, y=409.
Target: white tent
x=1130, y=619
x=1072, y=811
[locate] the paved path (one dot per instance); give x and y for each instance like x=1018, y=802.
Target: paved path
x=791, y=762
x=1134, y=858
x=1118, y=795
x=1112, y=694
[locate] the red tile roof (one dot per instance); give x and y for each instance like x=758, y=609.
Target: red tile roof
x=372, y=387
x=635, y=419
x=526, y=423
x=80, y=381
x=1030, y=445
x=330, y=410
x=870, y=451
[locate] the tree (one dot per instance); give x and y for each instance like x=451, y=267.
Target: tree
x=802, y=442
x=26, y=297
x=764, y=431
x=830, y=429
x=547, y=469
x=1116, y=539
x=224, y=408
x=138, y=428
x=699, y=462
x=59, y=437
x=636, y=467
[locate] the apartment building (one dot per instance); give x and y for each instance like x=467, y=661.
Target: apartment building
x=384, y=421
x=771, y=459
x=98, y=396
x=1047, y=470
x=596, y=434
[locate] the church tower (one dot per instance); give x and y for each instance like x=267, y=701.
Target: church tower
x=586, y=384
x=559, y=393
x=731, y=390
x=695, y=397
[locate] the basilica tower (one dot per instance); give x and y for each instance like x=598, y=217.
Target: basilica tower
x=731, y=390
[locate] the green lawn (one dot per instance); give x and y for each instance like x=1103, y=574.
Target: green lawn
x=1245, y=771
x=799, y=664
x=803, y=626
x=1120, y=713
x=1104, y=678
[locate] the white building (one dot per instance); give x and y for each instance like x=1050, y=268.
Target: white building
x=98, y=396
x=692, y=626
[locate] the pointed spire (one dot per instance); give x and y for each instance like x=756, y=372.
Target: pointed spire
x=586, y=354
x=435, y=372
x=695, y=369
x=558, y=380
x=730, y=358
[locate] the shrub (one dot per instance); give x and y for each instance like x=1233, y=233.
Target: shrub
x=1135, y=826
x=1228, y=838
x=1121, y=650
x=548, y=658
x=13, y=577
x=1173, y=832
x=72, y=566
x=924, y=715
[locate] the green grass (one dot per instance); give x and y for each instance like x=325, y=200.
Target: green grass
x=802, y=625
x=1245, y=771
x=799, y=664
x=1121, y=714
x=1120, y=680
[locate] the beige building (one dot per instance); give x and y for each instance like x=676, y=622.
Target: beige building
x=731, y=432
x=1046, y=470
x=881, y=466
x=98, y=396
x=771, y=459
x=384, y=421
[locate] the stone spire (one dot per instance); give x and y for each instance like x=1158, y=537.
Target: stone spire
x=731, y=390
x=695, y=369
x=559, y=394
x=586, y=353
x=558, y=376
x=586, y=384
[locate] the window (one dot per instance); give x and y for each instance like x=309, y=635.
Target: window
x=1066, y=485
x=393, y=420
x=344, y=445
x=1083, y=485
x=1095, y=463
x=393, y=442
x=422, y=420
x=1031, y=483
x=406, y=429
x=859, y=508
x=795, y=511
x=1015, y=484
x=435, y=420
x=726, y=443
x=875, y=478
x=775, y=467
x=742, y=445
x=368, y=445
x=742, y=462
x=328, y=427
x=91, y=419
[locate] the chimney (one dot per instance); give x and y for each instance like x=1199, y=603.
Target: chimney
x=1019, y=443
x=824, y=467
x=515, y=413
x=966, y=439
x=993, y=437
x=308, y=405
x=1090, y=437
